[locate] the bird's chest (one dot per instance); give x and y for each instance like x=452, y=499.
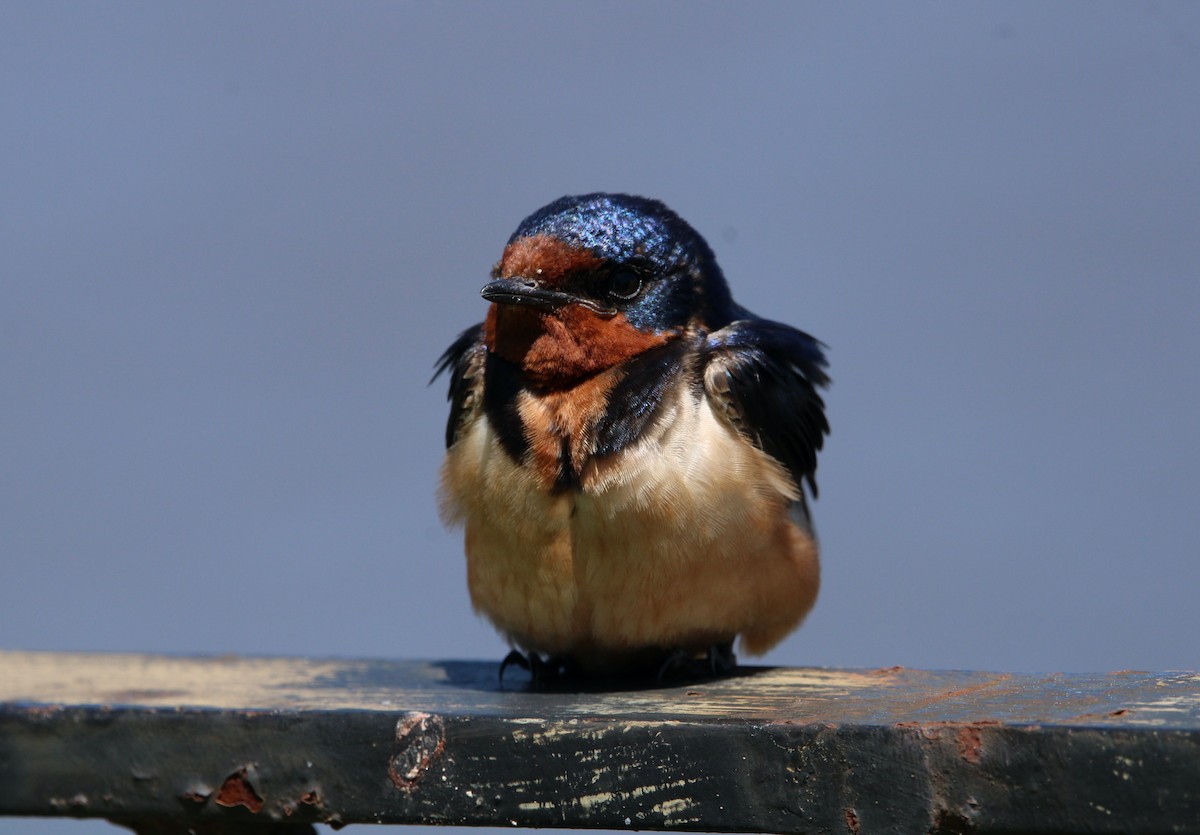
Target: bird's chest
x=560, y=432
x=675, y=508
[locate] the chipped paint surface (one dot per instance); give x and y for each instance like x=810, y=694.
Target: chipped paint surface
x=421, y=739
x=237, y=790
x=671, y=809
x=204, y=741
x=889, y=695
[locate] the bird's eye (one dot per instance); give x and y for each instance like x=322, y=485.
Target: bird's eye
x=624, y=285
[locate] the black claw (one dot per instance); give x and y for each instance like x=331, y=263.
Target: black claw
x=542, y=672
x=672, y=664
x=718, y=660
x=721, y=660
x=514, y=657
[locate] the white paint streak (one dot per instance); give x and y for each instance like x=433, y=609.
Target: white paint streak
x=671, y=808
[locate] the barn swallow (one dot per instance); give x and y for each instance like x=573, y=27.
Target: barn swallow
x=628, y=448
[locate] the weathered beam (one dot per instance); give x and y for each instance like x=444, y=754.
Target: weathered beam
x=166, y=744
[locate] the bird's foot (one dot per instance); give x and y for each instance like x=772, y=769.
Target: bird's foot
x=718, y=660
x=721, y=659
x=542, y=671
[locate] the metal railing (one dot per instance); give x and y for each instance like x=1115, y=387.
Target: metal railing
x=245, y=745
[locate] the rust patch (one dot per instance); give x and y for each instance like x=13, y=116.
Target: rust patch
x=948, y=695
x=1100, y=717
x=968, y=736
x=43, y=711
x=147, y=694
x=311, y=798
x=970, y=743
x=238, y=791
x=421, y=738
x=852, y=825
x=193, y=796
x=79, y=801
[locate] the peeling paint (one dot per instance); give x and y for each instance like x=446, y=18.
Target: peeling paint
x=544, y=731
x=421, y=738
x=674, y=807
x=237, y=790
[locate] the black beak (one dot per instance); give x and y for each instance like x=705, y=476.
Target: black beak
x=524, y=291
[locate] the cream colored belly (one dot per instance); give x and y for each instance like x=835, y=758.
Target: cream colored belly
x=682, y=540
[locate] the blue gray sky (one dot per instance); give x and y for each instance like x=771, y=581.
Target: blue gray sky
x=235, y=237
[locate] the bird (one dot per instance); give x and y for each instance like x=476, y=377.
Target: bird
x=628, y=450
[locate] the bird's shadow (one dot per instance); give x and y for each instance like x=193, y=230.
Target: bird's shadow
x=481, y=676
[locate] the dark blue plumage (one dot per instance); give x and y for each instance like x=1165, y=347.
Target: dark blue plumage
x=646, y=236
x=635, y=398
x=620, y=228
x=772, y=373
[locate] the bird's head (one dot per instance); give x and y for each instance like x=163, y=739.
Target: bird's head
x=589, y=282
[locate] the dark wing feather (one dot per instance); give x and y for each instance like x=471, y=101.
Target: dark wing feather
x=763, y=376
x=634, y=400
x=463, y=359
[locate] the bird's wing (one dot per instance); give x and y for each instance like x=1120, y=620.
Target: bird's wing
x=464, y=360
x=762, y=377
